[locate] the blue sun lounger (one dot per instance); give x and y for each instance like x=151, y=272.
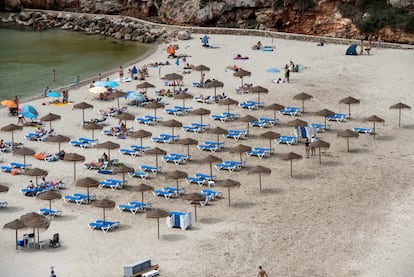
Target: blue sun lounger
x=212, y=194
x=165, y=194
x=366, y=131
x=112, y=184
x=139, y=148
x=134, y=207
x=235, y=134
x=174, y=111
x=105, y=226
x=50, y=213
x=151, y=169
x=229, y=165
x=176, y=191
x=338, y=117
x=141, y=174
x=259, y=152
x=20, y=165
x=292, y=111
x=289, y=140
x=205, y=176
x=130, y=152
x=208, y=147
x=196, y=180
x=79, y=198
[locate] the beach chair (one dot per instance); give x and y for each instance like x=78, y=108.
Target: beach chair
x=212, y=194
x=366, y=131
x=20, y=165
x=145, y=121
x=143, y=206
x=259, y=152
x=196, y=180
x=128, y=208
x=318, y=127
x=205, y=176
x=112, y=184
x=289, y=140
x=291, y=111
x=235, y=134
x=105, y=226
x=338, y=117
x=130, y=152
x=165, y=138
x=165, y=194
x=174, y=111
x=79, y=198
x=139, y=174
x=251, y=105
x=206, y=147
x=3, y=204
x=189, y=128
x=231, y=116
x=139, y=148
x=202, y=126
x=176, y=191
x=54, y=242
x=50, y=213
x=152, y=169
x=228, y=165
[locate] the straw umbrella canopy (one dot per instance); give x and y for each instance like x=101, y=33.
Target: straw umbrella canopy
x=157, y=213
x=141, y=134
x=247, y=118
x=320, y=144
x=349, y=101
x=143, y=188
x=374, y=119
x=156, y=151
x=173, y=124
x=93, y=126
x=325, y=113
x=241, y=73
x=297, y=123
x=240, y=149
x=50, y=195
x=183, y=96
x=36, y=172
x=35, y=220
x=195, y=198
x=73, y=157
x=104, y=204
x=173, y=77
x=83, y=106
x=302, y=96
x=122, y=169
x=176, y=175
x=258, y=90
x=215, y=84
x=11, y=128
x=400, y=106
x=15, y=225
x=210, y=159
x=24, y=151
x=201, y=112
x=59, y=139
x=145, y=85
x=87, y=183
x=290, y=157
x=347, y=134
x=270, y=135
x=188, y=142
x=201, y=68
x=154, y=106
x=274, y=107
x=116, y=95
x=4, y=188
x=108, y=145
x=228, y=101
x=50, y=117
x=260, y=170
x=125, y=117
x=218, y=131
x=228, y=183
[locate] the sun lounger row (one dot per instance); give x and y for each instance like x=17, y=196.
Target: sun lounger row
x=149, y=120
x=35, y=191
x=211, y=146
x=84, y=142
x=292, y=111
x=105, y=226
x=225, y=116
x=168, y=192
x=289, y=140
x=178, y=110
x=235, y=134
x=40, y=136
x=251, y=105
x=205, y=100
x=135, y=150
x=211, y=194
x=338, y=117
x=79, y=198
x=134, y=207
x=50, y=213
x=116, y=131
x=175, y=158
x=318, y=127
x=230, y=165
x=366, y=131
x=202, y=202
x=263, y=122
x=260, y=152
x=112, y=184
x=100, y=121
x=195, y=127
x=201, y=179
x=112, y=111
x=165, y=138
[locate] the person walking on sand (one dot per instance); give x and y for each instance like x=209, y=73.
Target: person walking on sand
x=287, y=73
x=307, y=148
x=262, y=272
x=313, y=149
x=121, y=73
x=54, y=75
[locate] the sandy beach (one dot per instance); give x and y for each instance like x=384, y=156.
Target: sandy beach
x=349, y=216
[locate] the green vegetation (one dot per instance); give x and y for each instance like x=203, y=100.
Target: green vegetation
x=303, y=5
x=372, y=15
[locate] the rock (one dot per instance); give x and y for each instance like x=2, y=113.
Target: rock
x=184, y=35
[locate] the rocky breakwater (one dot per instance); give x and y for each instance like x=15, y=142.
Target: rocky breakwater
x=118, y=27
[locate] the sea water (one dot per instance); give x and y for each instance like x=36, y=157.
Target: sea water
x=28, y=58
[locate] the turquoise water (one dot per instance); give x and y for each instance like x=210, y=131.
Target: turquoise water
x=27, y=59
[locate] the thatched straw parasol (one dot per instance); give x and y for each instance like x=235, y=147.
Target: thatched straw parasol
x=155, y=106
x=201, y=112
x=302, y=96
x=297, y=123
x=173, y=124
x=122, y=169
x=347, y=134
x=210, y=159
x=176, y=175
x=141, y=134
x=108, y=145
x=201, y=68
x=270, y=135
x=172, y=77
x=35, y=220
x=83, y=106
x=156, y=151
x=260, y=170
x=116, y=95
x=15, y=225
x=274, y=107
x=349, y=101
x=290, y=157
x=93, y=126
x=258, y=90
x=143, y=188
x=157, y=213
x=188, y=142
x=104, y=204
x=73, y=157
x=215, y=84
x=50, y=117
x=240, y=149
x=11, y=128
x=50, y=195
x=59, y=139
x=218, y=131
x=241, y=73
x=125, y=117
x=4, y=188
x=325, y=113
x=228, y=183
x=195, y=198
x=320, y=144
x=37, y=172
x=374, y=119
x=183, y=96
x=247, y=118
x=24, y=151
x=228, y=101
x=87, y=183
x=400, y=106
x=145, y=85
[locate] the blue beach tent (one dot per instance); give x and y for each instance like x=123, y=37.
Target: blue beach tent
x=352, y=50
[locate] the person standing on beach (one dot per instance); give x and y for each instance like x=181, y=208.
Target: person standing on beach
x=379, y=41
x=99, y=77
x=287, y=73
x=313, y=150
x=54, y=75
x=121, y=74
x=262, y=272
x=307, y=148
x=16, y=101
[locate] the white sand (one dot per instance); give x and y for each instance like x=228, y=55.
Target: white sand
x=350, y=216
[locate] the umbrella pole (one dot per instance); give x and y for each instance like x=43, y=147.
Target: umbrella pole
x=50, y=125
x=248, y=127
x=258, y=97
x=16, y=239
x=177, y=184
x=274, y=115
x=260, y=182
x=158, y=220
x=104, y=214
x=38, y=238
x=211, y=172
x=141, y=144
x=184, y=102
x=347, y=142
x=83, y=116
x=195, y=212
x=118, y=102
x=188, y=151
x=50, y=204
x=303, y=105
x=291, y=168
x=399, y=118
x=201, y=119
x=320, y=159
x=215, y=93
x=229, y=195
x=109, y=154
x=59, y=146
x=156, y=160
x=325, y=123
x=218, y=139
x=93, y=134
x=374, y=129
x=241, y=159
x=87, y=189
x=172, y=131
x=24, y=162
x=123, y=179
x=74, y=170
x=142, y=197
x=270, y=145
